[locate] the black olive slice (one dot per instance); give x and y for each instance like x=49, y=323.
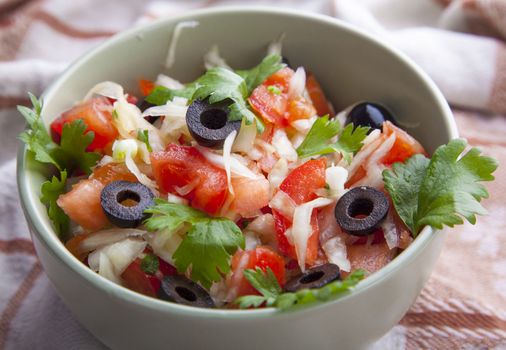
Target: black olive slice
x=314, y=278
x=181, y=290
x=124, y=203
x=143, y=105
x=361, y=210
x=209, y=124
x=369, y=114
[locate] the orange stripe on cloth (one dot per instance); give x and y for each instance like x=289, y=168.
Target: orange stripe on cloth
x=68, y=30
x=16, y=301
x=453, y=320
x=17, y=245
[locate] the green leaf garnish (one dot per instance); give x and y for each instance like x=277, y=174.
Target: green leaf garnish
x=274, y=89
x=317, y=141
x=143, y=136
x=50, y=191
x=440, y=191
x=266, y=283
x=150, y=264
x=207, y=246
x=219, y=84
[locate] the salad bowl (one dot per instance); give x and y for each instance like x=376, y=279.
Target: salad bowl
x=351, y=66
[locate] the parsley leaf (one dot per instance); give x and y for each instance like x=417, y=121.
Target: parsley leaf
x=150, y=264
x=267, y=284
x=317, y=140
x=161, y=95
x=257, y=75
x=441, y=191
x=72, y=154
x=50, y=191
x=143, y=136
x=208, y=245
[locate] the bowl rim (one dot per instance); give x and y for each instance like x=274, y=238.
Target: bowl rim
x=54, y=246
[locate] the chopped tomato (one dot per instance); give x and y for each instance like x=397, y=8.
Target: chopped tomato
x=303, y=181
x=250, y=195
x=317, y=96
x=179, y=166
x=82, y=202
x=271, y=107
x=280, y=79
x=137, y=280
x=404, y=147
x=74, y=246
x=262, y=257
x=146, y=86
x=96, y=114
x=301, y=185
x=371, y=258
x=300, y=108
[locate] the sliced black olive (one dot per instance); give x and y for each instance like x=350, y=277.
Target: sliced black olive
x=314, y=278
x=181, y=290
x=361, y=210
x=143, y=105
x=285, y=61
x=209, y=124
x=369, y=114
x=124, y=203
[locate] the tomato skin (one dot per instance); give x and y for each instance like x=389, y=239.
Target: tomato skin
x=280, y=79
x=304, y=180
x=137, y=280
x=262, y=257
x=301, y=185
x=404, y=147
x=317, y=96
x=146, y=86
x=270, y=106
x=178, y=166
x=96, y=114
x=300, y=108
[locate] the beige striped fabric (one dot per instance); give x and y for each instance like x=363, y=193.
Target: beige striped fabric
x=461, y=45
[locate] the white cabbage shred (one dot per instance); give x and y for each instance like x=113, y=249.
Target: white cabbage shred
x=178, y=29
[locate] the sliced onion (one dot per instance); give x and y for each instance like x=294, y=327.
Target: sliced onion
x=264, y=225
x=168, y=109
x=212, y=59
x=107, y=89
x=164, y=244
x=251, y=240
x=237, y=168
x=336, y=177
x=335, y=250
x=178, y=29
x=168, y=82
x=283, y=203
x=246, y=138
x=172, y=198
x=362, y=155
x=390, y=231
x=283, y=146
x=276, y=46
x=227, y=160
x=111, y=260
x=184, y=190
x=278, y=173
x=373, y=166
x=297, y=83
x=302, y=229
x=235, y=278
x=105, y=237
x=105, y=160
x=143, y=179
x=303, y=125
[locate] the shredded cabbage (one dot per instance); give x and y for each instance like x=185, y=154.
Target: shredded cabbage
x=301, y=227
x=227, y=149
x=168, y=82
x=213, y=59
x=297, y=83
x=105, y=237
x=246, y=138
x=283, y=203
x=237, y=168
x=178, y=29
x=278, y=173
x=336, y=177
x=335, y=250
x=107, y=89
x=276, y=46
x=283, y=146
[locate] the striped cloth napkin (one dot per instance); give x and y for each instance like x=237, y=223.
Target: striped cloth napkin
x=459, y=43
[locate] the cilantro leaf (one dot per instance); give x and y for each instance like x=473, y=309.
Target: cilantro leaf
x=150, y=264
x=143, y=136
x=267, y=284
x=70, y=154
x=317, y=140
x=257, y=75
x=72, y=150
x=444, y=190
x=208, y=245
x=50, y=191
x=36, y=136
x=161, y=95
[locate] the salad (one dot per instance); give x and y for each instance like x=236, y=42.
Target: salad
x=243, y=188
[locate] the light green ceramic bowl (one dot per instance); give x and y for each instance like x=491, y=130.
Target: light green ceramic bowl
x=351, y=66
